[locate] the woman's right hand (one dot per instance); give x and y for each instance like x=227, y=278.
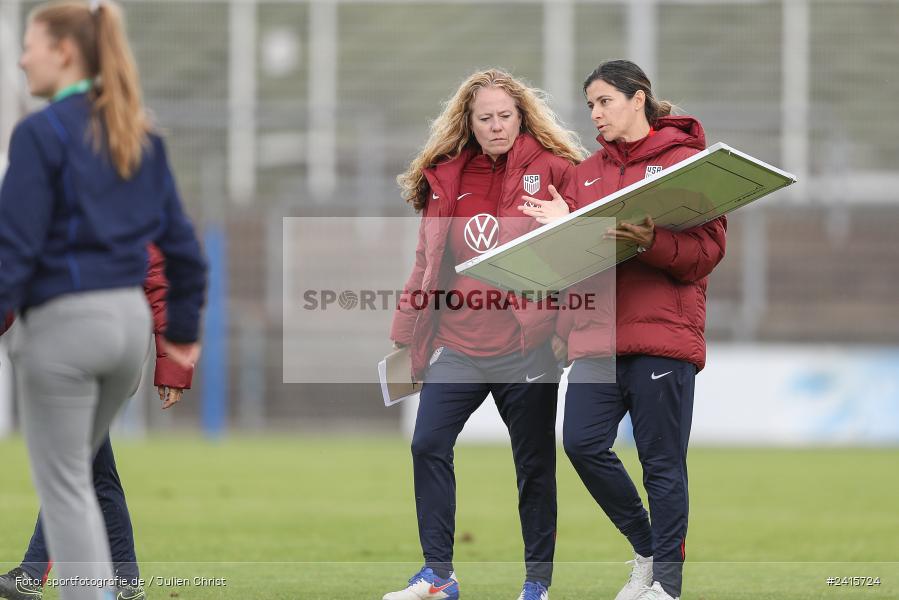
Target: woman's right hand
x=545, y=211
x=397, y=345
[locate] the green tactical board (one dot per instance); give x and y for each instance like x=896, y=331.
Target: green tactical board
x=692, y=192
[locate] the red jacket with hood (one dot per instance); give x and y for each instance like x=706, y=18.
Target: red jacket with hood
x=660, y=293
x=415, y=326
x=168, y=372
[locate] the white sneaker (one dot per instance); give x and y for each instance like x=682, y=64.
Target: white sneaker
x=641, y=578
x=655, y=593
x=426, y=585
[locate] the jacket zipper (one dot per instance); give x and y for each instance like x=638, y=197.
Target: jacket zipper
x=499, y=201
x=674, y=285
x=490, y=190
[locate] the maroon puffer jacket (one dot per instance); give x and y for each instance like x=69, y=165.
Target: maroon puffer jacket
x=661, y=293
x=156, y=286
x=415, y=327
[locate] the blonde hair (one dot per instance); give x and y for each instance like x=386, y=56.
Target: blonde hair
x=118, y=111
x=450, y=133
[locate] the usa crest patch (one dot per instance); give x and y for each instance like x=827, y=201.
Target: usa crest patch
x=531, y=184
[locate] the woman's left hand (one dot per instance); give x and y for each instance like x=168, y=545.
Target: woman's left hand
x=545, y=211
x=170, y=396
x=643, y=234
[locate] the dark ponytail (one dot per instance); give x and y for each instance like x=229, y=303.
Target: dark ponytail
x=628, y=78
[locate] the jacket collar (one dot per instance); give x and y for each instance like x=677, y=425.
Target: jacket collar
x=444, y=177
x=667, y=133
x=525, y=149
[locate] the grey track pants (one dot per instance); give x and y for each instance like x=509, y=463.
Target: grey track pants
x=77, y=359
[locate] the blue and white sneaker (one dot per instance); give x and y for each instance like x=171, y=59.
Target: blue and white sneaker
x=533, y=591
x=426, y=585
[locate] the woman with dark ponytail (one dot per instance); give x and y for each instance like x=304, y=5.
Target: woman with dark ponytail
x=87, y=189
x=644, y=361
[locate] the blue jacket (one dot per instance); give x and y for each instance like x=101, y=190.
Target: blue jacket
x=70, y=223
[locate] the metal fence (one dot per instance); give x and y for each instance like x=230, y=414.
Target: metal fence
x=304, y=108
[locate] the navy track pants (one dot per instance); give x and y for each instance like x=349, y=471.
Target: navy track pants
x=658, y=394
x=455, y=386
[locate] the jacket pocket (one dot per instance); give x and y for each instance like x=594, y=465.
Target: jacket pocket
x=678, y=297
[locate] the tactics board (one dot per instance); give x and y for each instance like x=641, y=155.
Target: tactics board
x=703, y=187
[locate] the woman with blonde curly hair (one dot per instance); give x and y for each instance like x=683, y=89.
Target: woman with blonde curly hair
x=495, y=144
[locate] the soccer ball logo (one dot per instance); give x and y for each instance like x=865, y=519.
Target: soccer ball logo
x=347, y=300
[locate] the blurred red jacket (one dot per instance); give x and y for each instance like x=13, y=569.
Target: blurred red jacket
x=660, y=295
x=168, y=372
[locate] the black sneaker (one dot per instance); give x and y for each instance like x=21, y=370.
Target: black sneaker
x=18, y=585
x=126, y=592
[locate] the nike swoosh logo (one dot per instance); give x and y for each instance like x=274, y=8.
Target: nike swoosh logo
x=654, y=376
x=434, y=196
x=437, y=590
x=591, y=182
x=137, y=594
x=465, y=194
x=533, y=379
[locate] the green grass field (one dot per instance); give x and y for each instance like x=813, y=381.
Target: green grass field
x=333, y=519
